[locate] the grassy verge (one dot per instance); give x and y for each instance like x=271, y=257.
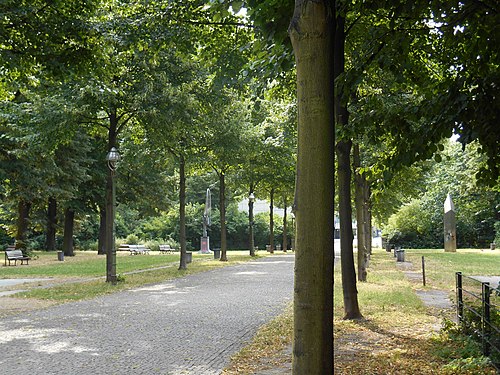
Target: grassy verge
x=266, y=349
x=88, y=264
x=399, y=335
x=440, y=267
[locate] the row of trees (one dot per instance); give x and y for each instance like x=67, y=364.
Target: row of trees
x=382, y=84
x=173, y=107
x=406, y=76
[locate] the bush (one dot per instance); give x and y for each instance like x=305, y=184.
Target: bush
x=132, y=239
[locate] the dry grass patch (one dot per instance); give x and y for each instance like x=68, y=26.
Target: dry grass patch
x=267, y=349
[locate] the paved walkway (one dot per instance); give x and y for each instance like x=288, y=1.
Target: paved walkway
x=190, y=325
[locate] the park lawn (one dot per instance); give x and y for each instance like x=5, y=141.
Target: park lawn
x=440, y=267
x=83, y=264
x=157, y=268
x=398, y=335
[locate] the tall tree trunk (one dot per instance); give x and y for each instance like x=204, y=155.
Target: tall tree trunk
x=271, y=221
x=285, y=234
x=368, y=218
x=311, y=31
x=182, y=212
x=222, y=209
x=50, y=235
x=350, y=292
x=359, y=199
x=101, y=241
x=110, y=205
x=251, y=240
x=23, y=212
x=69, y=221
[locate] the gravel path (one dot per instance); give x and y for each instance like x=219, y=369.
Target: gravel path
x=190, y=325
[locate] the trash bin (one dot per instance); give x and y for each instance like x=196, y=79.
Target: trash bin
x=216, y=253
x=400, y=255
x=492, y=246
x=60, y=256
x=278, y=247
x=387, y=247
x=189, y=257
x=268, y=248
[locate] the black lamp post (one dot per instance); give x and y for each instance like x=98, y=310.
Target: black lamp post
x=251, y=200
x=112, y=158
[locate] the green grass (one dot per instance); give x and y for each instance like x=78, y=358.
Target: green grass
x=89, y=264
x=440, y=267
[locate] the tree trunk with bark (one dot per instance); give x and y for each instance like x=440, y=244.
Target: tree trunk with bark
x=222, y=209
x=110, y=204
x=23, y=212
x=350, y=291
x=69, y=221
x=182, y=212
x=368, y=218
x=50, y=235
x=359, y=200
x=285, y=229
x=311, y=31
x=101, y=241
x=251, y=241
x=271, y=221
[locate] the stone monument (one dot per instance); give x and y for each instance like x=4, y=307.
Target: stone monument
x=450, y=230
x=205, y=240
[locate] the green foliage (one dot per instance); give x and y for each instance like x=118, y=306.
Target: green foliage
x=461, y=351
x=132, y=239
x=419, y=223
x=497, y=234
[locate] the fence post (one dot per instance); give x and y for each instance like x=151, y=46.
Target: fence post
x=486, y=319
x=460, y=306
x=423, y=270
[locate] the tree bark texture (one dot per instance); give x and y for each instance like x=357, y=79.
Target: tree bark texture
x=222, y=208
x=285, y=229
x=360, y=215
x=271, y=221
x=50, y=235
x=101, y=242
x=251, y=241
x=311, y=31
x=110, y=205
x=350, y=291
x=69, y=221
x=23, y=212
x=182, y=212
x=368, y=218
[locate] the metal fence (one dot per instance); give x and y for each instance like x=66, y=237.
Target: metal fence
x=478, y=312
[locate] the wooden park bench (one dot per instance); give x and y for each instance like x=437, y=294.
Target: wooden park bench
x=166, y=249
x=138, y=249
x=15, y=255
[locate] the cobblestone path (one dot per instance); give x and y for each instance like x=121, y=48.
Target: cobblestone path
x=190, y=325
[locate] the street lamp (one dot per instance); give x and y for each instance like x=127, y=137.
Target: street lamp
x=251, y=200
x=112, y=158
